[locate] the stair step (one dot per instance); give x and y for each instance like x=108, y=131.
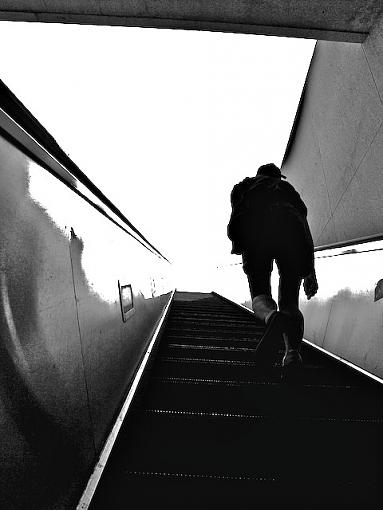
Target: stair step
x=208, y=491
x=212, y=428
x=219, y=368
x=233, y=447
x=260, y=396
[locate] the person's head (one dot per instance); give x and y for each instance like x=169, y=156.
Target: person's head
x=270, y=170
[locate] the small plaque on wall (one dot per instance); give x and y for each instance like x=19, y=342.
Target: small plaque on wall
x=126, y=300
x=378, y=290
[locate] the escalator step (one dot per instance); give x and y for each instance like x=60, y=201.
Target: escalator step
x=210, y=428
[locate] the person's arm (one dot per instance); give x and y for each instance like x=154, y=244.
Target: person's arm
x=310, y=285
x=310, y=282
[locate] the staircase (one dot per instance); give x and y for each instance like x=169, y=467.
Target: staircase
x=209, y=429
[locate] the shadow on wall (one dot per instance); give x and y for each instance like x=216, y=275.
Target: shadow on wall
x=40, y=432
x=111, y=348
x=66, y=356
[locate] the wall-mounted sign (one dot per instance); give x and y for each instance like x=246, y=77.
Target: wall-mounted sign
x=126, y=300
x=379, y=290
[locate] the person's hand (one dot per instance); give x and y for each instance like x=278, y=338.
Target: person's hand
x=310, y=285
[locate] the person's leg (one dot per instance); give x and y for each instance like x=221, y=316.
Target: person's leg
x=258, y=271
x=265, y=308
x=260, y=290
x=288, y=300
x=290, y=256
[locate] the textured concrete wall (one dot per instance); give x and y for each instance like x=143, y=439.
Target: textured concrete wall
x=335, y=159
x=346, y=315
x=66, y=355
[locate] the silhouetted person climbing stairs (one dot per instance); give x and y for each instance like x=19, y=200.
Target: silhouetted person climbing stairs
x=268, y=223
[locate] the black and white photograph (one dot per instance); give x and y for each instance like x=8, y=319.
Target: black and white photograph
x=191, y=254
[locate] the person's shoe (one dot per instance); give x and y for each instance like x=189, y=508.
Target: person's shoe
x=292, y=366
x=271, y=339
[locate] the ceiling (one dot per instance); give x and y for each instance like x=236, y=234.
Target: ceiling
x=334, y=20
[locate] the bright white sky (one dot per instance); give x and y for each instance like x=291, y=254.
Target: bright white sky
x=164, y=122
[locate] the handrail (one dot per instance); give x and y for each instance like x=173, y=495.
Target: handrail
x=343, y=244
x=94, y=479
x=21, y=128
x=340, y=244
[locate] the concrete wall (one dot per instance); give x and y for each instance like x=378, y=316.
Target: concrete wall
x=346, y=316
x=335, y=160
x=66, y=356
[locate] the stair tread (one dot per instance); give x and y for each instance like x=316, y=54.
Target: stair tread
x=209, y=426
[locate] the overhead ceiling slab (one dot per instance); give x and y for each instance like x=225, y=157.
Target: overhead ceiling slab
x=336, y=20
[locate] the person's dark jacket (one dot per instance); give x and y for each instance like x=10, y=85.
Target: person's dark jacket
x=251, y=200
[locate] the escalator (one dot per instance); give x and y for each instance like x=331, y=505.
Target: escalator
x=209, y=429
